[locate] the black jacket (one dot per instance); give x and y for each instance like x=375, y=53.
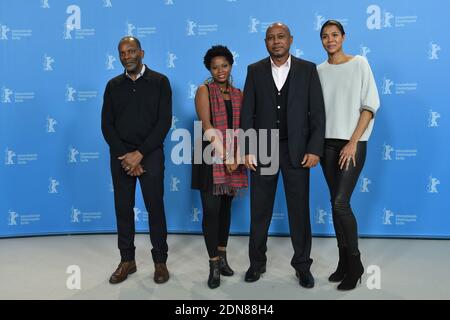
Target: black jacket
x=305, y=106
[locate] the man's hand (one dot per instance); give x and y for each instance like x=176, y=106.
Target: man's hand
x=250, y=162
x=130, y=160
x=138, y=171
x=310, y=160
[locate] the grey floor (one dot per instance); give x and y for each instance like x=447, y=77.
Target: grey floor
x=36, y=268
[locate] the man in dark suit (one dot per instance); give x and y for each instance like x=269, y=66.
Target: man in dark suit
x=284, y=93
x=136, y=116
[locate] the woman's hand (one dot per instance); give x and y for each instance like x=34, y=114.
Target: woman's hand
x=347, y=155
x=231, y=167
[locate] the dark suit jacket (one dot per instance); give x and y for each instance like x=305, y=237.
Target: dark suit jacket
x=305, y=106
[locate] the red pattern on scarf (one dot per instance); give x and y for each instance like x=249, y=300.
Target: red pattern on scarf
x=225, y=183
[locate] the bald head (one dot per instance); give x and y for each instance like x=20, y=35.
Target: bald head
x=278, y=42
x=130, y=39
x=278, y=25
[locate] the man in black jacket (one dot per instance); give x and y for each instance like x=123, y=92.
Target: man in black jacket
x=283, y=93
x=136, y=116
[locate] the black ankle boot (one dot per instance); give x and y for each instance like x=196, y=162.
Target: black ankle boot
x=225, y=269
x=354, y=272
x=341, y=269
x=214, y=274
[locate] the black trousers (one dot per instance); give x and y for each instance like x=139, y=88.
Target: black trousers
x=262, y=196
x=152, y=187
x=216, y=221
x=341, y=184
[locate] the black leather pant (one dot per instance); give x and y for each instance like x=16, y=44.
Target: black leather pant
x=341, y=184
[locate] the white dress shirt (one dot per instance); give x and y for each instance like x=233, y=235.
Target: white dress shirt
x=280, y=73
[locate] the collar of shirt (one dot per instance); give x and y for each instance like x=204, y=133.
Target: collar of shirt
x=140, y=74
x=280, y=73
x=287, y=64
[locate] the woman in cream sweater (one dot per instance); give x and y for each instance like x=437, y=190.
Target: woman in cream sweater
x=351, y=102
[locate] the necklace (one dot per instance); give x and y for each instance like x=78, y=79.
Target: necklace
x=224, y=90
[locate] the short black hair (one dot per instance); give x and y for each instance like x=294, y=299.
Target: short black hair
x=217, y=51
x=130, y=38
x=332, y=23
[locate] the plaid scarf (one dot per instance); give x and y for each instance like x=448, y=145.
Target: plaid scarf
x=225, y=183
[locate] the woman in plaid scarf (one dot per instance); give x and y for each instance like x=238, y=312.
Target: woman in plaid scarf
x=218, y=106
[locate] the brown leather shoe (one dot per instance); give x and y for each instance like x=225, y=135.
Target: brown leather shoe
x=122, y=271
x=161, y=273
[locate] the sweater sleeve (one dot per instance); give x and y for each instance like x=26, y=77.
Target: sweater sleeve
x=369, y=94
x=156, y=137
x=108, y=125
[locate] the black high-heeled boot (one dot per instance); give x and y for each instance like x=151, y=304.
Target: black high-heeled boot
x=214, y=274
x=341, y=270
x=354, y=272
x=225, y=269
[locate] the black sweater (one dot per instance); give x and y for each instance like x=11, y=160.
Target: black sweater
x=136, y=115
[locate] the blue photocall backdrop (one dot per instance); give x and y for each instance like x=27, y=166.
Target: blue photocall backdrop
x=57, y=56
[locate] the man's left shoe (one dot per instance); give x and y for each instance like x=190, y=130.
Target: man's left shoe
x=306, y=279
x=124, y=269
x=253, y=274
x=161, y=273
